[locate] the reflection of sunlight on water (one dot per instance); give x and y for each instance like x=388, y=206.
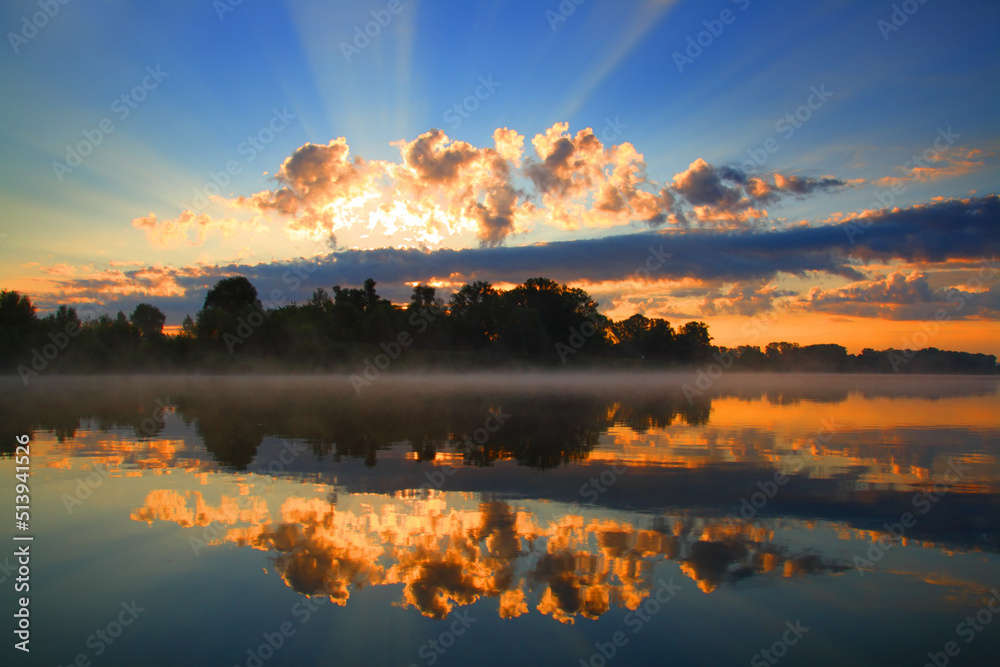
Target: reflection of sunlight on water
x=872, y=438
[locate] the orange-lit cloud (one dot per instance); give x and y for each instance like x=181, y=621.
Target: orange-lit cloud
x=188, y=227
x=448, y=557
x=445, y=192
x=909, y=297
x=951, y=162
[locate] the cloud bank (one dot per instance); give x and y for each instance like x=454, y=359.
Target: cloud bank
x=961, y=233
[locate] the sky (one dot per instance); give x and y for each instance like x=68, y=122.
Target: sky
x=810, y=172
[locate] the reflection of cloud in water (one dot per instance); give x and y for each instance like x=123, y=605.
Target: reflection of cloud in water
x=572, y=566
x=168, y=505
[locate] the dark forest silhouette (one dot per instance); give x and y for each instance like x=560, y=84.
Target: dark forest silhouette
x=539, y=323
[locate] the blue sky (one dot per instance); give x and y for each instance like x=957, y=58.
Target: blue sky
x=609, y=66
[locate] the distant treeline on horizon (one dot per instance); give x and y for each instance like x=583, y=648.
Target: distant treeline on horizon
x=539, y=323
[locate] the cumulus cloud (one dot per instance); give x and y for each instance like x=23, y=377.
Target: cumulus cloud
x=473, y=185
x=440, y=189
x=443, y=191
x=701, y=184
x=569, y=166
x=583, y=183
x=314, y=180
x=727, y=195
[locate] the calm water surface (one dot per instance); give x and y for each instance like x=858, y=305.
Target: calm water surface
x=507, y=520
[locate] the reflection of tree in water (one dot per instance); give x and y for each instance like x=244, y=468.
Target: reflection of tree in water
x=643, y=413
x=536, y=432
x=541, y=430
x=63, y=405
x=545, y=429
x=230, y=430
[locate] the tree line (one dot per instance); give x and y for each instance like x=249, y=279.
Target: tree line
x=537, y=323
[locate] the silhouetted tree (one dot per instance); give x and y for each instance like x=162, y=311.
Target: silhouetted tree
x=229, y=300
x=541, y=312
x=423, y=296
x=750, y=357
x=641, y=336
x=693, y=342
x=16, y=310
x=188, y=328
x=18, y=323
x=148, y=320
x=539, y=321
x=364, y=299
x=233, y=295
x=475, y=311
x=320, y=300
